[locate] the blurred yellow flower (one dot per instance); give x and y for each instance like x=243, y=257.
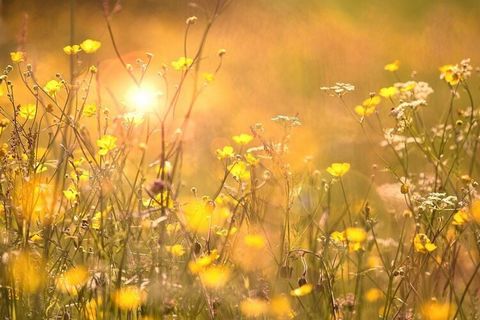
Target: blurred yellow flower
x=388, y=92
x=254, y=241
x=52, y=87
x=302, y=291
x=202, y=262
x=106, y=144
x=27, y=111
x=364, y=111
x=71, y=193
x=74, y=49
x=372, y=101
x=182, y=63
x=373, y=295
x=27, y=272
x=281, y=308
x=242, y=139
x=394, y=66
x=251, y=159
x=355, y=234
x=89, y=110
x=423, y=244
x=254, y=307
x=338, y=169
x=129, y=298
x=208, y=77
x=434, y=310
x=225, y=152
x=475, y=210
x=90, y=46
x=460, y=218
x=240, y=170
x=215, y=277
x=176, y=250
x=17, y=56
x=72, y=280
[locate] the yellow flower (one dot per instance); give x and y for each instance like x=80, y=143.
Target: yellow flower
x=281, y=308
x=423, y=244
x=202, y=262
x=208, y=77
x=371, y=102
x=460, y=218
x=215, y=277
x=106, y=144
x=354, y=234
x=240, y=170
x=251, y=159
x=392, y=66
x=450, y=74
x=253, y=307
x=242, y=139
x=97, y=220
x=338, y=169
x=225, y=152
x=302, y=291
x=373, y=295
x=182, y=63
x=255, y=241
x=434, y=310
x=72, y=280
x=90, y=46
x=89, y=110
x=27, y=111
x=17, y=56
x=176, y=250
x=475, y=210
x=69, y=50
x=52, y=87
x=129, y=298
x=388, y=92
x=364, y=111
x=71, y=193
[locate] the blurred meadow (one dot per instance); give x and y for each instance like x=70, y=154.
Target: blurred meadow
x=124, y=196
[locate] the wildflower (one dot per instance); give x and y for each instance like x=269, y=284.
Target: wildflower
x=96, y=220
x=240, y=170
x=368, y=106
x=460, y=218
x=251, y=159
x=90, y=46
x=302, y=291
x=475, y=210
x=287, y=121
x=72, y=280
x=423, y=244
x=201, y=263
x=89, y=110
x=453, y=74
x=435, y=310
x=281, y=308
x=392, y=67
x=17, y=56
x=176, y=250
x=182, y=63
x=93, y=69
x=253, y=307
x=355, y=238
x=27, y=111
x=339, y=89
x=215, y=277
x=242, y=139
x=225, y=152
x=373, y=295
x=71, y=193
x=208, y=77
x=255, y=241
x=388, y=92
x=128, y=298
x=52, y=87
x=338, y=169
x=72, y=50
x=106, y=144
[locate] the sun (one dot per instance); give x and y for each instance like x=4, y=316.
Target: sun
x=142, y=98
